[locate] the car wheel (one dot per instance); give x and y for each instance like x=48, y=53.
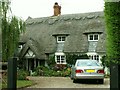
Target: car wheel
x=74, y=80
x=71, y=78
x=101, y=81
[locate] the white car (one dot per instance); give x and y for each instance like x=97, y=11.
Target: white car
x=87, y=69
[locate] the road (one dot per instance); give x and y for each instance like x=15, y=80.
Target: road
x=66, y=82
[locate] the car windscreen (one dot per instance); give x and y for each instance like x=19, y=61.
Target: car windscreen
x=88, y=63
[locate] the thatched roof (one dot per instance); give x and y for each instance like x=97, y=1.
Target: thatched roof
x=75, y=26
x=34, y=46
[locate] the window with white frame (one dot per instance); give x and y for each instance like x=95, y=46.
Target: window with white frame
x=60, y=59
x=93, y=37
x=61, y=39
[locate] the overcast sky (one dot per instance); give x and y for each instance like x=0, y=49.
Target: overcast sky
x=44, y=8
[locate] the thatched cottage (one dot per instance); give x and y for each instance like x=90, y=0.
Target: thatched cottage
x=57, y=35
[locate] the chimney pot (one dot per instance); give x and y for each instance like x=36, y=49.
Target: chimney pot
x=57, y=9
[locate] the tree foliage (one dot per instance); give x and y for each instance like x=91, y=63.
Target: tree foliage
x=105, y=61
x=71, y=58
x=12, y=27
x=112, y=20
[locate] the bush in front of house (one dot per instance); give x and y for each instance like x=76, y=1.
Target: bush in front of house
x=57, y=71
x=59, y=67
x=105, y=61
x=62, y=70
x=66, y=72
x=22, y=74
x=106, y=65
x=40, y=71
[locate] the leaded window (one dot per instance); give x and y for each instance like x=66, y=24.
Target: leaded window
x=61, y=39
x=60, y=59
x=93, y=37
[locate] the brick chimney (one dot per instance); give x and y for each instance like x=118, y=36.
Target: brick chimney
x=57, y=9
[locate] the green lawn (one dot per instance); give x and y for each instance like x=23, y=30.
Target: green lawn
x=24, y=83
x=20, y=83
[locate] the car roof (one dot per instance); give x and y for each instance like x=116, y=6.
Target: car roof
x=86, y=60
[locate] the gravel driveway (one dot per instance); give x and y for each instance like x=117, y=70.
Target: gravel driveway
x=64, y=82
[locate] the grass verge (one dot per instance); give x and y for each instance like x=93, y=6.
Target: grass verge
x=24, y=83
x=20, y=84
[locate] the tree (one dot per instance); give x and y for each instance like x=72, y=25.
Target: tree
x=112, y=20
x=105, y=61
x=71, y=58
x=11, y=29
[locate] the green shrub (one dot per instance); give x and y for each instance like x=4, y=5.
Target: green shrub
x=66, y=72
x=105, y=61
x=57, y=73
x=41, y=71
x=61, y=71
x=22, y=74
x=71, y=58
x=51, y=61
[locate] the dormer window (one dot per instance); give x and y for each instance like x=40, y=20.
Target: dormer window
x=60, y=39
x=93, y=37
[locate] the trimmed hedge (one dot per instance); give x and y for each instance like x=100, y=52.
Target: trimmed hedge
x=112, y=20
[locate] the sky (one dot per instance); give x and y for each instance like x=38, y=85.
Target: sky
x=44, y=8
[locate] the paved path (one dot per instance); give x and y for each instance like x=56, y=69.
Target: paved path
x=64, y=82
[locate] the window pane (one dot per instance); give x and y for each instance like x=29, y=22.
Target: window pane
x=87, y=63
x=59, y=38
x=92, y=57
x=62, y=61
x=62, y=57
x=97, y=58
x=90, y=37
x=63, y=38
x=58, y=57
x=58, y=61
x=95, y=37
